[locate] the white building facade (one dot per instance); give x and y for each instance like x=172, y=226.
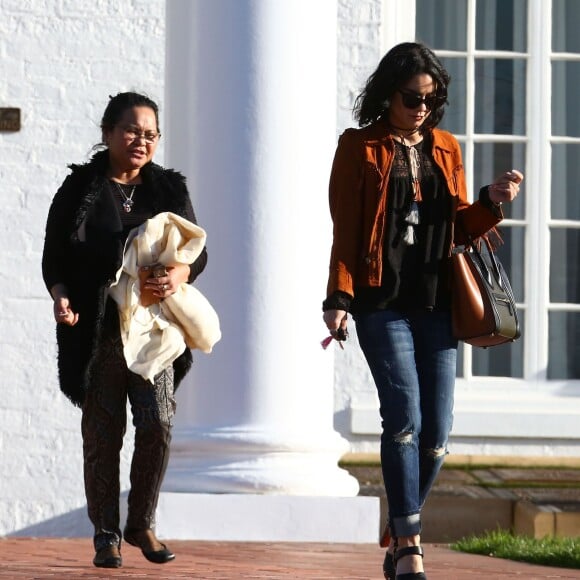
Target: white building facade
x=269, y=403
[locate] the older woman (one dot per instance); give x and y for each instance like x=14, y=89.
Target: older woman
x=89, y=220
x=398, y=201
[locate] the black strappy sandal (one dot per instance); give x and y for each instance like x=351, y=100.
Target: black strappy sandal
x=389, y=562
x=409, y=551
x=389, y=567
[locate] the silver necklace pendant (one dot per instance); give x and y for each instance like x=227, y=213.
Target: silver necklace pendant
x=127, y=199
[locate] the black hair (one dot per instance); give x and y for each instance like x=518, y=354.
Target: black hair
x=398, y=66
x=120, y=103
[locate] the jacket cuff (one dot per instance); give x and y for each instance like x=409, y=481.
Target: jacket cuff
x=485, y=200
x=337, y=301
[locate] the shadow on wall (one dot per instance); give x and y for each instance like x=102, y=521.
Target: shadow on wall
x=74, y=524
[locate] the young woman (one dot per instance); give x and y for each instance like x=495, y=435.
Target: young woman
x=398, y=201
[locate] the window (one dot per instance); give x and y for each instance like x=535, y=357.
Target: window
x=483, y=45
x=564, y=223
x=513, y=104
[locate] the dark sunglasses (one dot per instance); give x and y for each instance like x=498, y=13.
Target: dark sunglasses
x=413, y=100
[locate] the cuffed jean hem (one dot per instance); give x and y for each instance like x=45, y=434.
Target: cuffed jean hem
x=406, y=526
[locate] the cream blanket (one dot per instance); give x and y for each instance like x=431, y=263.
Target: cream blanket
x=154, y=336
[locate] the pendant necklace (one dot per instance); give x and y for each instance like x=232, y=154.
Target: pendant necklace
x=415, y=168
x=127, y=199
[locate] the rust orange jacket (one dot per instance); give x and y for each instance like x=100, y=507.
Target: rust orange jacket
x=358, y=195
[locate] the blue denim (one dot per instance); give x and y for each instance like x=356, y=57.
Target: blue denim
x=412, y=358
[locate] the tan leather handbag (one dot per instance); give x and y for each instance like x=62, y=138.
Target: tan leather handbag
x=483, y=306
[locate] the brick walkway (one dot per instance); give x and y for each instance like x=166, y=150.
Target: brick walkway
x=29, y=558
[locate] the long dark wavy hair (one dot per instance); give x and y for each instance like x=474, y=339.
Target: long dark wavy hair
x=397, y=67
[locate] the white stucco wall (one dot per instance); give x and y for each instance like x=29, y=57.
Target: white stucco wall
x=59, y=61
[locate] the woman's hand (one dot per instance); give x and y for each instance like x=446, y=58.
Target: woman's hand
x=63, y=313
x=506, y=187
x=165, y=286
x=335, y=319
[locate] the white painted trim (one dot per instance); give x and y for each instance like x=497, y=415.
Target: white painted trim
x=494, y=413
x=537, y=259
x=397, y=23
x=268, y=518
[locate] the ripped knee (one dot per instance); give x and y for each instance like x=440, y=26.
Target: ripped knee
x=404, y=438
x=436, y=453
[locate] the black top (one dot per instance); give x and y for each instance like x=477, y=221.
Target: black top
x=140, y=210
x=414, y=276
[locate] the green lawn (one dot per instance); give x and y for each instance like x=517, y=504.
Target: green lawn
x=557, y=552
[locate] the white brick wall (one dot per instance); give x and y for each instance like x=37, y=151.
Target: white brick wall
x=59, y=61
x=359, y=52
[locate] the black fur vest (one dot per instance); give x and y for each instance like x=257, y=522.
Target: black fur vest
x=87, y=266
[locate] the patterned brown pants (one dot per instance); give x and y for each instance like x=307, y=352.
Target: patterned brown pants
x=104, y=421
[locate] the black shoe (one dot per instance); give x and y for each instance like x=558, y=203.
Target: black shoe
x=108, y=557
x=389, y=567
x=409, y=551
x=140, y=538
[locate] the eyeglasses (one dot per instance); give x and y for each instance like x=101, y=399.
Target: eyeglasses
x=133, y=133
x=413, y=100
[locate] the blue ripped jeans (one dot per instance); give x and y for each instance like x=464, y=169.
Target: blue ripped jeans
x=412, y=358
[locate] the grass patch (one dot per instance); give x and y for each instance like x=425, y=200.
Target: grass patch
x=450, y=465
x=556, y=552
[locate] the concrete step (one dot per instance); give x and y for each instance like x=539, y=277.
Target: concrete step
x=464, y=502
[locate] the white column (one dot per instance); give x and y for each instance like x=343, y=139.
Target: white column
x=250, y=109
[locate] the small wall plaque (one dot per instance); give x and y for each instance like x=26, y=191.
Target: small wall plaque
x=9, y=119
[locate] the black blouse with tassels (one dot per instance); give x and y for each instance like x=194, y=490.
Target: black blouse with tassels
x=414, y=276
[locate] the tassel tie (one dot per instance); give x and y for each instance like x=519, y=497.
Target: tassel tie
x=412, y=217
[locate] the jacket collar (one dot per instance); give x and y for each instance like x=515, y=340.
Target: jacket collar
x=378, y=132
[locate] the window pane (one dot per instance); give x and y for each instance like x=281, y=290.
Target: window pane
x=565, y=200
x=501, y=25
x=491, y=160
x=454, y=119
x=443, y=24
x=563, y=340
x=500, y=96
x=565, y=266
x=511, y=255
x=565, y=25
x=505, y=360
x=565, y=83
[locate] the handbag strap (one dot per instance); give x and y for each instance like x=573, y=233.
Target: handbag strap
x=482, y=263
